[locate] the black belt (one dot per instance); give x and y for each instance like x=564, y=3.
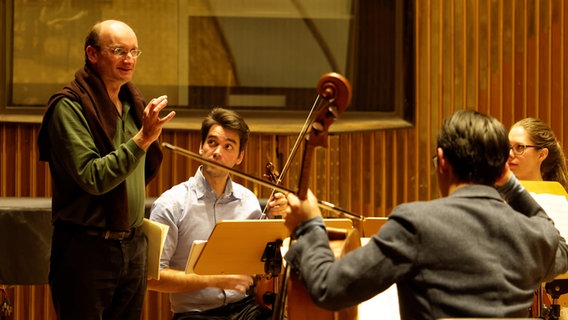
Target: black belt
x=111, y=235
x=97, y=232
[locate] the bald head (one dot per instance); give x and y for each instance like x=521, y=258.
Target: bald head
x=102, y=33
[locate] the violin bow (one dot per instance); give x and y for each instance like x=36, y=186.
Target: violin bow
x=295, y=147
x=265, y=183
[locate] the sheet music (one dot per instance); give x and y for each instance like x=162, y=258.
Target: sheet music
x=194, y=252
x=383, y=306
x=156, y=233
x=556, y=206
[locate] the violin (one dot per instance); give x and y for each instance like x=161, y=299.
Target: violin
x=267, y=285
x=270, y=173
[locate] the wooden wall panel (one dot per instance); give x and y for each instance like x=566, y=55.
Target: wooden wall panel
x=503, y=57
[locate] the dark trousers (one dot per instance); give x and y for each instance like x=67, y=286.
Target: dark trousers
x=94, y=278
x=247, y=309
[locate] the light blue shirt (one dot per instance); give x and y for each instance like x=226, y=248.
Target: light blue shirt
x=191, y=209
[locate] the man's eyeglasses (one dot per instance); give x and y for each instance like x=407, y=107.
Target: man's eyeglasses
x=519, y=149
x=435, y=162
x=120, y=52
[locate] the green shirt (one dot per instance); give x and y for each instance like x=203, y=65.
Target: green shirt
x=81, y=175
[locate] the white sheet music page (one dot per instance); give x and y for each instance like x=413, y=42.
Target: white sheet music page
x=194, y=252
x=383, y=306
x=556, y=206
x=156, y=233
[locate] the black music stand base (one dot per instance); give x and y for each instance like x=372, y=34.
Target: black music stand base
x=272, y=258
x=556, y=288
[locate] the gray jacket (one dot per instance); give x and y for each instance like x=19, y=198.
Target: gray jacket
x=466, y=255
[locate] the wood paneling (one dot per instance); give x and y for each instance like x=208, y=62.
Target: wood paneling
x=506, y=58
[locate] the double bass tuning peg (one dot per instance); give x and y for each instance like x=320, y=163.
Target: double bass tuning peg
x=317, y=128
x=332, y=112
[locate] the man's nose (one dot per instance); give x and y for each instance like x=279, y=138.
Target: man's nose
x=217, y=151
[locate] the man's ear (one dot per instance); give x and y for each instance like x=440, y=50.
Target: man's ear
x=443, y=162
x=92, y=54
x=440, y=155
x=240, y=158
x=201, y=149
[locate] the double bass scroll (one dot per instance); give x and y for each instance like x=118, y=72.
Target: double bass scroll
x=336, y=91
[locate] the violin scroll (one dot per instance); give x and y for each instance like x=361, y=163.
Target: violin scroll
x=270, y=173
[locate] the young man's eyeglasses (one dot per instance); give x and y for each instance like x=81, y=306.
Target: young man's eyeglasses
x=519, y=149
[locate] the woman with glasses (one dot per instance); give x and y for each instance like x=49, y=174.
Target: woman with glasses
x=536, y=154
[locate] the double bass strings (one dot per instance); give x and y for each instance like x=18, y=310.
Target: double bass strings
x=295, y=148
x=322, y=204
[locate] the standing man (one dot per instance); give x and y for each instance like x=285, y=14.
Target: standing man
x=468, y=254
x=191, y=210
x=100, y=139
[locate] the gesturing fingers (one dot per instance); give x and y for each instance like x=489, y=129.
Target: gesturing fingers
x=155, y=106
x=153, y=109
x=168, y=117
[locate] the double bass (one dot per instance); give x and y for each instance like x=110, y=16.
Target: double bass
x=294, y=300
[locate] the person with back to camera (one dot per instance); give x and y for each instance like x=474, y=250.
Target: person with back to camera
x=192, y=208
x=467, y=254
x=100, y=139
x=536, y=154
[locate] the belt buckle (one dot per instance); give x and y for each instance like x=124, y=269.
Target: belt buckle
x=117, y=235
x=122, y=235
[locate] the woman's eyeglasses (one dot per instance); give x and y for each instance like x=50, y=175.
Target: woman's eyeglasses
x=519, y=149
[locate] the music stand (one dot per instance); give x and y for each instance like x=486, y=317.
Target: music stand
x=371, y=225
x=237, y=246
x=559, y=285
x=247, y=246
x=338, y=223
